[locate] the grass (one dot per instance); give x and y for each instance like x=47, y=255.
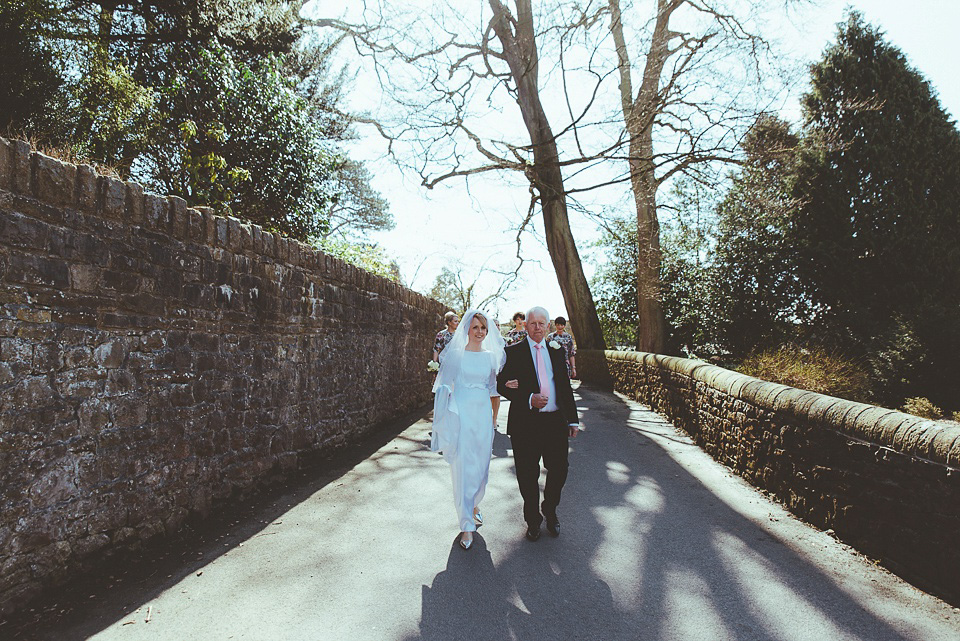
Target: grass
x=66, y=153
x=810, y=368
x=922, y=407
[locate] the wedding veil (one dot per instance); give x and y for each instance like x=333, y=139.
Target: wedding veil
x=452, y=354
x=446, y=420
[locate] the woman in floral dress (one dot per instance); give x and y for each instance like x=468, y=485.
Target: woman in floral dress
x=445, y=335
x=518, y=333
x=566, y=342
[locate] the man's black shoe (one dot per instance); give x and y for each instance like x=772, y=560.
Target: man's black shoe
x=533, y=532
x=553, y=527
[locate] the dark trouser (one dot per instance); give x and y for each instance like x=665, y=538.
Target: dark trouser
x=543, y=436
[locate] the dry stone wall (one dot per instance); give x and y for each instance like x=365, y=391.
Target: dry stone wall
x=156, y=358
x=884, y=481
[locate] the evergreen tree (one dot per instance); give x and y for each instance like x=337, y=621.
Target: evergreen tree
x=614, y=284
x=758, y=302
x=877, y=229
x=243, y=140
x=686, y=239
x=29, y=78
x=224, y=102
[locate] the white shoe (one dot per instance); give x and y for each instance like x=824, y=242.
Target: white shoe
x=477, y=518
x=465, y=542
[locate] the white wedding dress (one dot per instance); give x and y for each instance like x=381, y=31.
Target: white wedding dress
x=476, y=382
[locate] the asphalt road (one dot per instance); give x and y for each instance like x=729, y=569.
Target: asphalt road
x=658, y=542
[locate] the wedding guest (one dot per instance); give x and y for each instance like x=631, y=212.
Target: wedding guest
x=451, y=320
x=566, y=342
x=465, y=410
x=518, y=333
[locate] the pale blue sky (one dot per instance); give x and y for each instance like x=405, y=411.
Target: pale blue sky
x=450, y=225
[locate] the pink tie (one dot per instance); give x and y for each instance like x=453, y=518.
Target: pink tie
x=541, y=370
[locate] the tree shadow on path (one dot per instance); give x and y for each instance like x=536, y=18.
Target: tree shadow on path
x=473, y=598
x=648, y=551
x=656, y=544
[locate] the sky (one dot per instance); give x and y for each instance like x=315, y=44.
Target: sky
x=470, y=226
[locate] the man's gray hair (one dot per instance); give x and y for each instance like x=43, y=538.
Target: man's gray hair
x=538, y=310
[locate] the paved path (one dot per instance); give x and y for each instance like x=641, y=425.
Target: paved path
x=659, y=542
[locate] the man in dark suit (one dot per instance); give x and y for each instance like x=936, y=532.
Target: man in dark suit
x=542, y=417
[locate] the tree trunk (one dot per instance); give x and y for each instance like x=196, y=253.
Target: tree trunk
x=104, y=31
x=520, y=50
x=651, y=334
x=638, y=116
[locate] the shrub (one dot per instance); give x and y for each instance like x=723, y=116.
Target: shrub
x=922, y=407
x=956, y=416
x=810, y=368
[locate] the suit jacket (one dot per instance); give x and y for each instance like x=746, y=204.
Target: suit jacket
x=520, y=366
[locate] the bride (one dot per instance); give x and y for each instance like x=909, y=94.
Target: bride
x=465, y=413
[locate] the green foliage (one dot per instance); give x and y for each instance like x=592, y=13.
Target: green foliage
x=688, y=300
x=222, y=102
x=292, y=160
x=368, y=256
x=614, y=284
x=30, y=78
x=111, y=114
x=354, y=206
x=877, y=229
x=685, y=241
x=922, y=407
x=450, y=289
x=897, y=358
x=728, y=280
x=810, y=368
x=847, y=235
x=759, y=300
x=247, y=145
x=209, y=178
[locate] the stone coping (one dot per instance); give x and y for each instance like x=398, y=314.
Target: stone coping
x=904, y=433
x=34, y=175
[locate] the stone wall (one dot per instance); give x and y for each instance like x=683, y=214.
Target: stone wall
x=885, y=482
x=156, y=358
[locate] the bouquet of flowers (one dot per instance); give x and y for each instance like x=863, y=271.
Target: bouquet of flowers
x=433, y=366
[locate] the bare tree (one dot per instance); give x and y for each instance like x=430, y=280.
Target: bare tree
x=702, y=74
x=519, y=50
x=503, y=57
x=459, y=291
x=699, y=86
